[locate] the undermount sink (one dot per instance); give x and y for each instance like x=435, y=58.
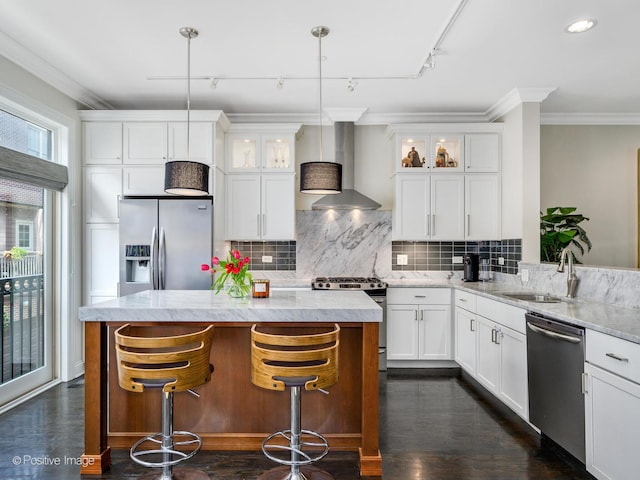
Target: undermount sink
x=534, y=297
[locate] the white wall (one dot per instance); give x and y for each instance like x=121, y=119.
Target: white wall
x=19, y=87
x=512, y=174
x=594, y=168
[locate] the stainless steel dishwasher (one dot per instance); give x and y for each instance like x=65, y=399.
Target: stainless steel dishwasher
x=555, y=363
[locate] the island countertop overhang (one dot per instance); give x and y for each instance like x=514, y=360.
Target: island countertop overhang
x=205, y=306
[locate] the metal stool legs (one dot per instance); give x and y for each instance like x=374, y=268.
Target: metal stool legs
x=166, y=442
x=298, y=456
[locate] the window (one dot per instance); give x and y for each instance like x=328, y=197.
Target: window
x=24, y=235
x=38, y=142
x=23, y=136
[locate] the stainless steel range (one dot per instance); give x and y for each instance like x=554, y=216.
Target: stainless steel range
x=372, y=286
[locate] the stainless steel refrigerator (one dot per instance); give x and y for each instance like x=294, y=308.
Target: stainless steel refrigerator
x=163, y=242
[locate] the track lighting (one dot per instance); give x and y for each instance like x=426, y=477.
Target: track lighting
x=214, y=83
x=280, y=83
x=430, y=62
x=351, y=84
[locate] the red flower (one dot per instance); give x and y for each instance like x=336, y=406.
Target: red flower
x=235, y=270
x=246, y=260
x=204, y=267
x=236, y=254
x=215, y=261
x=228, y=267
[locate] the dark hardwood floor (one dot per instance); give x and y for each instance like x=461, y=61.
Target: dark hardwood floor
x=432, y=428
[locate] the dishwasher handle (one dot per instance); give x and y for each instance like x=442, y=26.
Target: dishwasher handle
x=556, y=335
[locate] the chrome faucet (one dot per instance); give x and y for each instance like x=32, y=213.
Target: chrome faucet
x=572, y=280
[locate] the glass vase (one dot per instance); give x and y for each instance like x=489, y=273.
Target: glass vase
x=238, y=290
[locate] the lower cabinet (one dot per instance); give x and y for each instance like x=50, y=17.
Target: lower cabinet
x=491, y=345
x=420, y=330
x=465, y=334
x=612, y=407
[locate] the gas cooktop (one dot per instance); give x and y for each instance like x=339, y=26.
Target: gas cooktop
x=348, y=283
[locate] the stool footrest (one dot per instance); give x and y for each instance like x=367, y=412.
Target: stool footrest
x=304, y=458
x=135, y=453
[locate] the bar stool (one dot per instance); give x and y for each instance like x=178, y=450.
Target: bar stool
x=281, y=361
x=175, y=364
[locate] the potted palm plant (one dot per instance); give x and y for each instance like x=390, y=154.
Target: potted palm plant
x=559, y=227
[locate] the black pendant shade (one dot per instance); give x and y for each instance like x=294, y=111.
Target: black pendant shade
x=322, y=178
x=186, y=178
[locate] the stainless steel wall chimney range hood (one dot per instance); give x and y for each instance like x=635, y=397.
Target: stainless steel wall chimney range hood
x=349, y=199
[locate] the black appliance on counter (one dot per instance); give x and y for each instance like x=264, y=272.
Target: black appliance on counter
x=471, y=266
x=372, y=286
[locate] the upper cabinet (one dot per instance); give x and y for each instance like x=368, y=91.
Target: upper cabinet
x=482, y=152
x=449, y=148
x=102, y=143
x=261, y=148
x=431, y=205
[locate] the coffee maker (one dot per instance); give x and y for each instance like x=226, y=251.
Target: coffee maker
x=471, y=267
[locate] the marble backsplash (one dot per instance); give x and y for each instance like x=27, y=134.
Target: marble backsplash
x=343, y=242
x=598, y=284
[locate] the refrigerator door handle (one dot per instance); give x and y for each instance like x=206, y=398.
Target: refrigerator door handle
x=153, y=260
x=162, y=257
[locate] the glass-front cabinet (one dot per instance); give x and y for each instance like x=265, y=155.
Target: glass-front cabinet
x=433, y=153
x=261, y=147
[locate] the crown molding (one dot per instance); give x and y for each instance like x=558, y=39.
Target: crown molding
x=154, y=115
x=40, y=68
x=590, y=119
x=516, y=97
x=345, y=114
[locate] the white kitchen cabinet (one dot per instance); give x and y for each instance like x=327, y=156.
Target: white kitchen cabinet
x=100, y=262
x=429, y=207
x=443, y=152
x=102, y=143
x=465, y=335
x=145, y=142
x=418, y=324
x=612, y=403
x=261, y=148
x=482, y=152
x=260, y=207
x=102, y=191
x=143, y=180
x=482, y=207
x=413, y=207
x=200, y=141
x=501, y=352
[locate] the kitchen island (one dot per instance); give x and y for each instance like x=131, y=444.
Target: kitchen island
x=232, y=413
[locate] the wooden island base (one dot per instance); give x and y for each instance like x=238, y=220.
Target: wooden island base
x=232, y=413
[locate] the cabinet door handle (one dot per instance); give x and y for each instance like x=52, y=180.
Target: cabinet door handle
x=421, y=315
x=258, y=219
x=415, y=316
x=428, y=224
x=463, y=300
x=419, y=296
x=433, y=224
x=494, y=335
x=584, y=383
x=468, y=223
x=617, y=357
x=264, y=224
x=498, y=335
x=471, y=325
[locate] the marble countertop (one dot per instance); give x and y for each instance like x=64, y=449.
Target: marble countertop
x=206, y=306
x=621, y=322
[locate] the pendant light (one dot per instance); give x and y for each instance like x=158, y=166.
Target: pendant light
x=184, y=177
x=320, y=177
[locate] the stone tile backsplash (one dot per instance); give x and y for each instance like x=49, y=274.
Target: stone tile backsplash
x=333, y=243
x=283, y=254
x=438, y=256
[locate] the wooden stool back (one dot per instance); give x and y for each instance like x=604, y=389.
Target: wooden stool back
x=176, y=363
x=294, y=356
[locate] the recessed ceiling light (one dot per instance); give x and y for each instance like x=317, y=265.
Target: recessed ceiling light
x=580, y=26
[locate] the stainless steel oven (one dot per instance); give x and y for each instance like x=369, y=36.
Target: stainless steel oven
x=372, y=286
